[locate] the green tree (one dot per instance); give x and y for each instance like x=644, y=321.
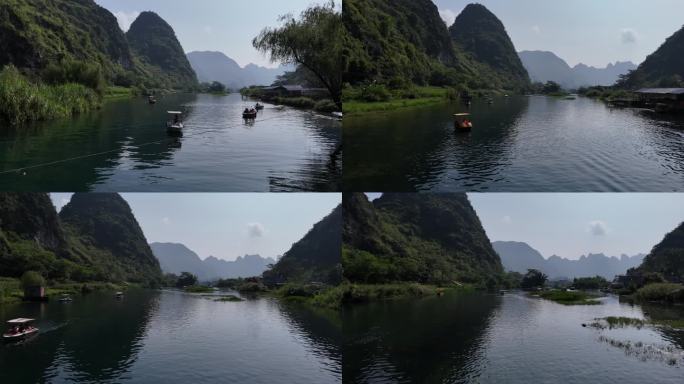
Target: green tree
x=551, y=87
x=314, y=42
x=533, y=279
x=32, y=279
x=186, y=279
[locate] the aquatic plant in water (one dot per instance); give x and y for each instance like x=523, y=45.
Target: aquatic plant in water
x=668, y=354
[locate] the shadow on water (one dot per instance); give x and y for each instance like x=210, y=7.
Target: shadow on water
x=123, y=131
x=322, y=328
x=418, y=148
x=76, y=345
x=125, y=147
x=421, y=341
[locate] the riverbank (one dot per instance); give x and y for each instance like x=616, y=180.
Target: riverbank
x=11, y=291
x=322, y=105
x=359, y=101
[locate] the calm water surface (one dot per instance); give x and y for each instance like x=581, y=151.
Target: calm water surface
x=172, y=337
x=510, y=339
x=125, y=148
x=519, y=144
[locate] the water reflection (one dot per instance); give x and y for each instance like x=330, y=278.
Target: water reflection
x=427, y=341
x=125, y=147
x=173, y=337
x=518, y=144
x=494, y=339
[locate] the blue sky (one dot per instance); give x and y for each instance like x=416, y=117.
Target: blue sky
x=227, y=225
x=227, y=26
x=594, y=32
x=572, y=225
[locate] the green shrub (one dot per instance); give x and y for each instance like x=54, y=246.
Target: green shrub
x=669, y=292
x=375, y=93
x=22, y=101
x=325, y=106
x=32, y=279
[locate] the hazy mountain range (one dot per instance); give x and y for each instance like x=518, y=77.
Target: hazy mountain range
x=177, y=258
x=546, y=66
x=216, y=66
x=519, y=257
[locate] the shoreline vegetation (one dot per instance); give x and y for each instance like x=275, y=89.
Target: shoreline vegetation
x=11, y=289
x=322, y=105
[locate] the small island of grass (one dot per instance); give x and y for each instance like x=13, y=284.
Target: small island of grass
x=229, y=298
x=198, y=289
x=568, y=297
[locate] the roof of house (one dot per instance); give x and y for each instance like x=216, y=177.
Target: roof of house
x=662, y=91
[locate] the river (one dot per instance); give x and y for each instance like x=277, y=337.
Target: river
x=124, y=147
x=518, y=144
x=172, y=337
x=462, y=338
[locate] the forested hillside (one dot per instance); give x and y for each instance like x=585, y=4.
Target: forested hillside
x=314, y=258
x=478, y=32
x=406, y=42
x=667, y=257
x=95, y=238
x=663, y=68
x=432, y=238
x=162, y=58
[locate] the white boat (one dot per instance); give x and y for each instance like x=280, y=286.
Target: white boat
x=337, y=115
x=175, y=123
x=66, y=299
x=119, y=295
x=19, y=329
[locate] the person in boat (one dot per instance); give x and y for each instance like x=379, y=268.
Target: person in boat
x=176, y=119
x=466, y=122
x=246, y=110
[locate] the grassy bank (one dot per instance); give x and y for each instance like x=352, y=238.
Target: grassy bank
x=377, y=98
x=568, y=297
x=116, y=93
x=22, y=100
x=11, y=291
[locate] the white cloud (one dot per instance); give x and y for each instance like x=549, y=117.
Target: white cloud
x=597, y=228
x=255, y=230
x=166, y=221
x=629, y=36
x=448, y=16
x=125, y=19
x=536, y=29
x=506, y=220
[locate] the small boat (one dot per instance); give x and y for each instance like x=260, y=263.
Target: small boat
x=119, y=295
x=249, y=114
x=65, y=299
x=175, y=124
x=259, y=107
x=19, y=329
x=463, y=122
x=337, y=115
x=152, y=100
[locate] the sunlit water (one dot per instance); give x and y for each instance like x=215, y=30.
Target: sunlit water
x=518, y=144
x=510, y=339
x=172, y=337
x=125, y=148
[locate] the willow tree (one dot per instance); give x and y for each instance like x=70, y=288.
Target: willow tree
x=312, y=41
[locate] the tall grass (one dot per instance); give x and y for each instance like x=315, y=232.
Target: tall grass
x=22, y=101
